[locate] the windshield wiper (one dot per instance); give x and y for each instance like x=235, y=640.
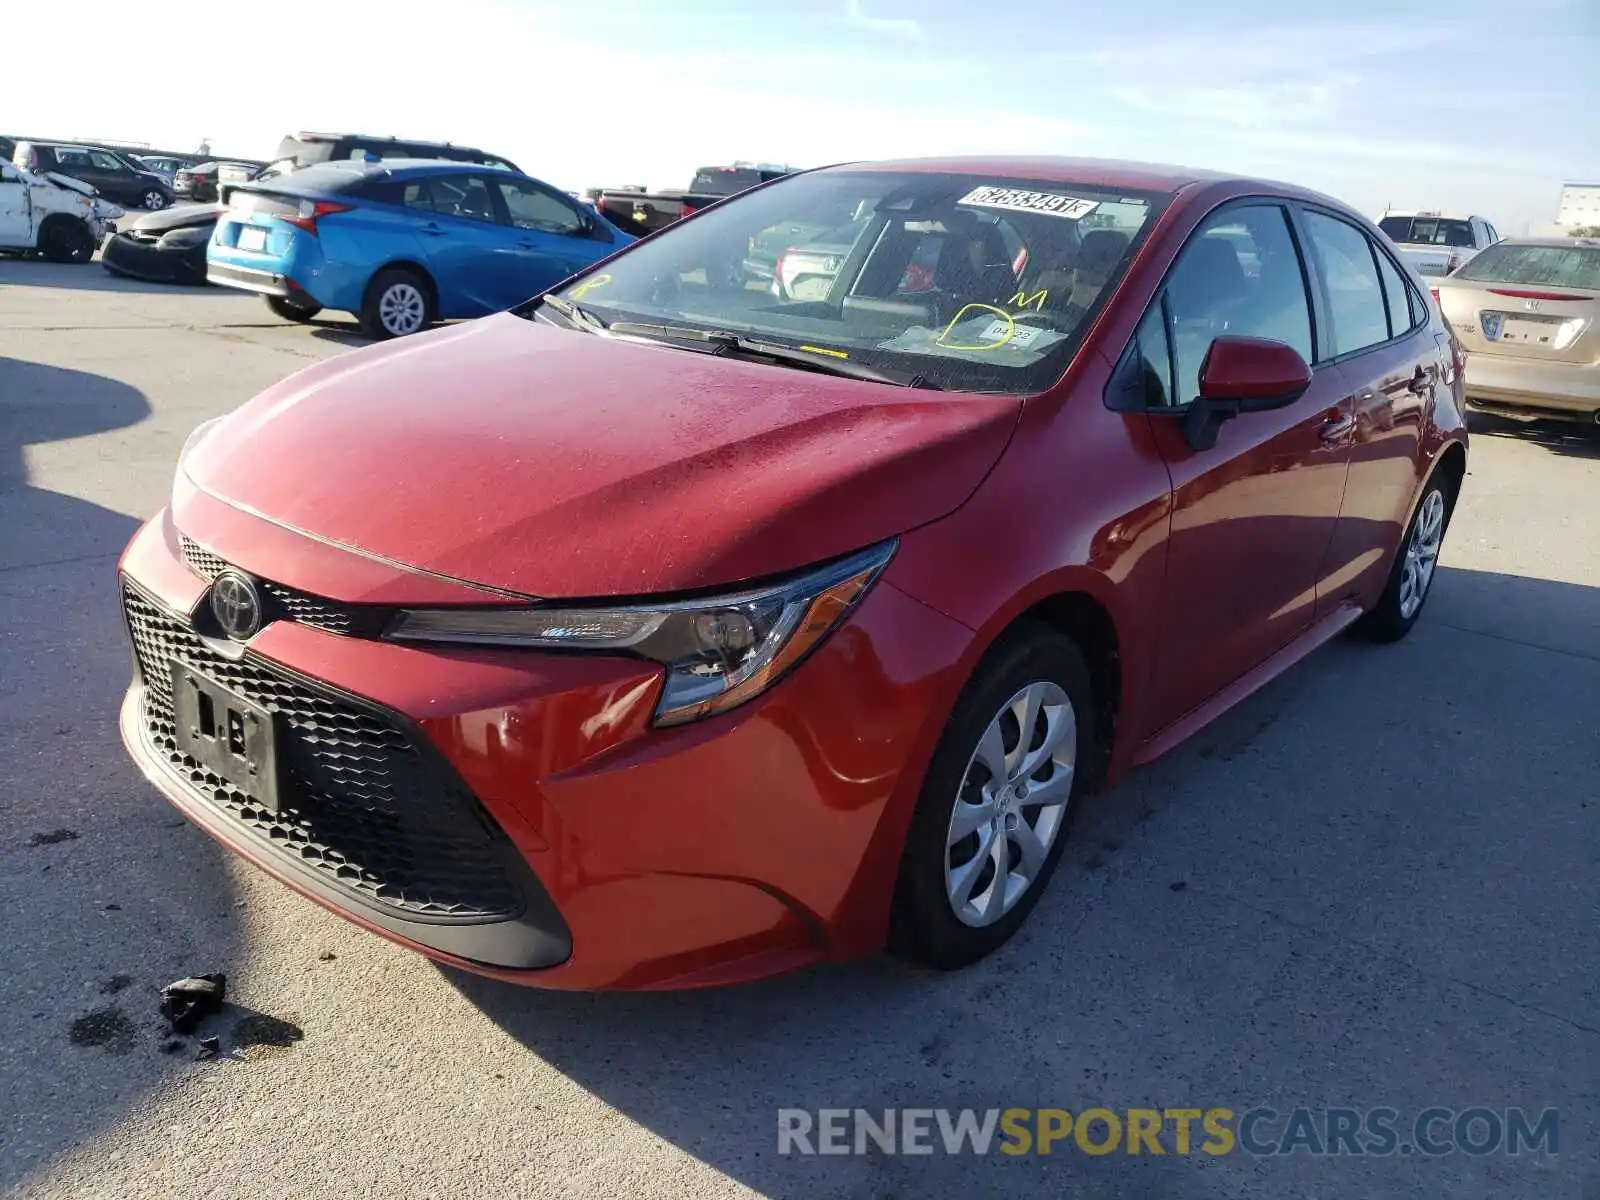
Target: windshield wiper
x=737, y=345
x=578, y=318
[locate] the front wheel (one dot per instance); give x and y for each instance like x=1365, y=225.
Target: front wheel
x=398, y=302
x=153, y=199
x=289, y=310
x=999, y=798
x=1411, y=579
x=66, y=240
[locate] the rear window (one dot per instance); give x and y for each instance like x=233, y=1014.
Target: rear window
x=304, y=153
x=1558, y=266
x=1427, y=231
x=714, y=181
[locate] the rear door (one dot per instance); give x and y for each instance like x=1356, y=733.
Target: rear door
x=470, y=252
x=551, y=237
x=16, y=226
x=1390, y=365
x=1253, y=515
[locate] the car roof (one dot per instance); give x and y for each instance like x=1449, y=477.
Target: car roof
x=397, y=141
x=1568, y=242
x=1430, y=214
x=1108, y=173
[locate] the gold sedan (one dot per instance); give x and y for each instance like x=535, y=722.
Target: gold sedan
x=1527, y=313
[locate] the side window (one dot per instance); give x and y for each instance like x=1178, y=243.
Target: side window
x=1494, y=234
x=1360, y=318
x=451, y=196
x=1152, y=350
x=530, y=207
x=106, y=162
x=1419, y=307
x=1397, y=294
x=1240, y=274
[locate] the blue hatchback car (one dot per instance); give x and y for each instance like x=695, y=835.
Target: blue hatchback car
x=402, y=243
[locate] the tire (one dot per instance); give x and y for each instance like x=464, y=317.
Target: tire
x=399, y=301
x=290, y=311
x=66, y=240
x=153, y=199
x=1415, y=562
x=926, y=926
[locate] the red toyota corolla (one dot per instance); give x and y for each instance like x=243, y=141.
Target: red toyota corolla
x=696, y=623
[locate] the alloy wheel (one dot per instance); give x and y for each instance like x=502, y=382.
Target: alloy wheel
x=401, y=309
x=1010, y=804
x=154, y=200
x=1422, y=553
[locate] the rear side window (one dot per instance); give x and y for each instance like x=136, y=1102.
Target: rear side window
x=1398, y=295
x=1360, y=315
x=451, y=196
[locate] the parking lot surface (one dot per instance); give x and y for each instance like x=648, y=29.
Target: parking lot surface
x=1376, y=883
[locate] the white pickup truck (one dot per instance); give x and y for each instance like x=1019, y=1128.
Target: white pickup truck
x=1437, y=243
x=61, y=218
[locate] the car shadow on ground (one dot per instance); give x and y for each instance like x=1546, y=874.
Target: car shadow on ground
x=1572, y=438
x=86, y=277
x=105, y=892
x=1220, y=1005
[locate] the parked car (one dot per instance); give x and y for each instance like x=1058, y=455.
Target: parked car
x=163, y=247
x=59, y=217
x=165, y=165
x=1436, y=243
x=402, y=243
x=1527, y=311
x=199, y=182
x=617, y=642
x=640, y=211
x=308, y=149
x=107, y=171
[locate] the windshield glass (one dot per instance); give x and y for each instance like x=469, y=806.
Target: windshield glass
x=1427, y=231
x=969, y=281
x=1560, y=266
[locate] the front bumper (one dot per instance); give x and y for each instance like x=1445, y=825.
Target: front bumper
x=726, y=850
x=124, y=254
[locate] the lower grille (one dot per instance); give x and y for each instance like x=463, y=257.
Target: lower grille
x=362, y=803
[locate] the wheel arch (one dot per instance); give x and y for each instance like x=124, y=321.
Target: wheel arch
x=416, y=268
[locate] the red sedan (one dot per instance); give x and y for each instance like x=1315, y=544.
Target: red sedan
x=670, y=632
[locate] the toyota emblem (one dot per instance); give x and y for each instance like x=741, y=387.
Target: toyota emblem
x=236, y=604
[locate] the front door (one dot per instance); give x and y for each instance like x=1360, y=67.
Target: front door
x=552, y=241
x=1253, y=515
x=1390, y=364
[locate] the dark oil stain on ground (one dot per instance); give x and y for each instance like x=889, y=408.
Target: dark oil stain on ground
x=107, y=1028
x=54, y=836
x=258, y=1029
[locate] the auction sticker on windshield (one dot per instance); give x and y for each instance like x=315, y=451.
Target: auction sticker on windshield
x=1050, y=204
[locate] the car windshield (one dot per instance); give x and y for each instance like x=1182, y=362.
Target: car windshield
x=1427, y=231
x=967, y=282
x=1559, y=266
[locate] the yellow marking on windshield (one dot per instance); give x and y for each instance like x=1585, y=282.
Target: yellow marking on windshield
x=825, y=350
x=1010, y=330
x=1036, y=301
x=587, y=286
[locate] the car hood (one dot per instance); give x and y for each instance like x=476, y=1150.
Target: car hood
x=553, y=463
x=180, y=216
x=71, y=184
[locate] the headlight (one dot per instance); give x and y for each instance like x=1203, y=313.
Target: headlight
x=718, y=652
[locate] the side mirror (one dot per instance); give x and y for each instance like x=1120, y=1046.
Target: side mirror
x=1241, y=375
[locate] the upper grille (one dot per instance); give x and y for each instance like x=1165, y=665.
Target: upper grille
x=361, y=802
x=291, y=604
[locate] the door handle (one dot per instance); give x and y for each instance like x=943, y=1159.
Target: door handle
x=1335, y=428
x=1420, y=383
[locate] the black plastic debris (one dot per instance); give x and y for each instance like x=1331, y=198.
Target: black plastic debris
x=209, y=1048
x=186, y=1002
x=53, y=836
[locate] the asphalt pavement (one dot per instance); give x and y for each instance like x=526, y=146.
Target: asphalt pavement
x=1374, y=884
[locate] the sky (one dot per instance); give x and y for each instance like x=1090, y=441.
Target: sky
x=1479, y=107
